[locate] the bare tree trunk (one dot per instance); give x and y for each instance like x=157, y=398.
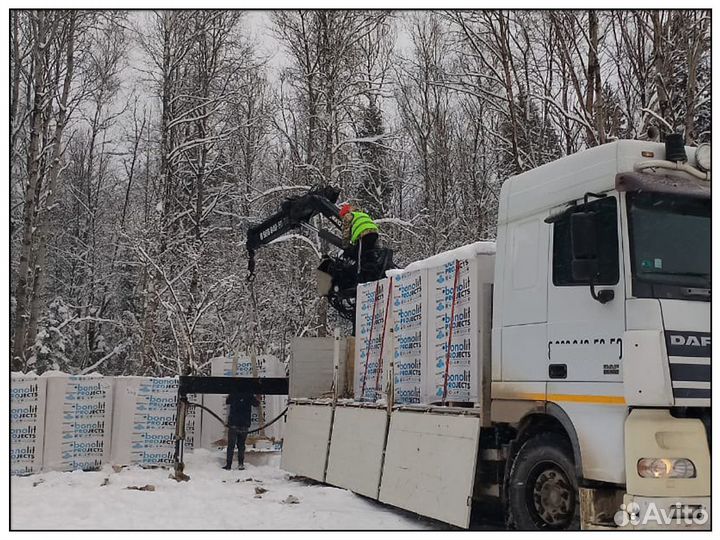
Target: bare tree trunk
x=594, y=101
x=54, y=172
x=661, y=71
x=690, y=96
x=506, y=59
x=17, y=69
x=40, y=43
x=152, y=279
x=694, y=43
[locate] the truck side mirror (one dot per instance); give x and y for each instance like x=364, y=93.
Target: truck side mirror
x=583, y=239
x=585, y=264
x=584, y=269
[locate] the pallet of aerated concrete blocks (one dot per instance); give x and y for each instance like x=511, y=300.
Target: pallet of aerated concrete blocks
x=145, y=410
x=432, y=359
x=68, y=422
x=78, y=422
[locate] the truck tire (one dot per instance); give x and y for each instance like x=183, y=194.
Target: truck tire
x=542, y=487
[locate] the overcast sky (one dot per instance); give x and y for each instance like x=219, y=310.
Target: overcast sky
x=259, y=31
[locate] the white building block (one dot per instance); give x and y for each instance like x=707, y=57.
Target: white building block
x=78, y=422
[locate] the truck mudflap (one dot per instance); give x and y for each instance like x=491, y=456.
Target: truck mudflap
x=430, y=461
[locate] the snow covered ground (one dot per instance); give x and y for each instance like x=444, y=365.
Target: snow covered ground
x=212, y=499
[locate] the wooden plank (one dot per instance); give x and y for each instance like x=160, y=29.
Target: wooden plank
x=430, y=464
x=349, y=367
x=307, y=436
x=356, y=449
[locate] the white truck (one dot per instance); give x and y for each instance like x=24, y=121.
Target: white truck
x=595, y=397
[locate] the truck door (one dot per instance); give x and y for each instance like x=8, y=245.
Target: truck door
x=585, y=335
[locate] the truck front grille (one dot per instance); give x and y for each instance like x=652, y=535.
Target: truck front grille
x=690, y=366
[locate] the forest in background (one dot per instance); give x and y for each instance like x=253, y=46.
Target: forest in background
x=143, y=145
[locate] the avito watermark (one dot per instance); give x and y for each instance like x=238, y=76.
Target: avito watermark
x=676, y=514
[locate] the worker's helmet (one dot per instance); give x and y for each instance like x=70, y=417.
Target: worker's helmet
x=344, y=209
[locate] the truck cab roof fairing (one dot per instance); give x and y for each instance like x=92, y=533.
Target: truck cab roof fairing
x=662, y=183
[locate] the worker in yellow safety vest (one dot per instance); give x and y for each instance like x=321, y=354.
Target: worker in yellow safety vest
x=360, y=232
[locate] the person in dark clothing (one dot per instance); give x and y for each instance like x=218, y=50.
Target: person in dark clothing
x=239, y=423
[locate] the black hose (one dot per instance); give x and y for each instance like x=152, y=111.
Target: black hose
x=278, y=417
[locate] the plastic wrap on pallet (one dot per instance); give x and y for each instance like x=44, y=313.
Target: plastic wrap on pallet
x=466, y=342
x=145, y=412
x=78, y=422
x=409, y=305
x=370, y=340
x=27, y=423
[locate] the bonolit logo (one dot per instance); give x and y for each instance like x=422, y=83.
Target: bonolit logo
x=676, y=514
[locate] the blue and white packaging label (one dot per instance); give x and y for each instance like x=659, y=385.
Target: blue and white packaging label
x=409, y=306
x=78, y=423
x=370, y=342
x=27, y=423
x=145, y=419
x=460, y=373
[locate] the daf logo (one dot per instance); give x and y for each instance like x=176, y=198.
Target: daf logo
x=690, y=341
x=694, y=344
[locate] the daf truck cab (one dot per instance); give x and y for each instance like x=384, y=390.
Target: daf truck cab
x=601, y=334
x=596, y=400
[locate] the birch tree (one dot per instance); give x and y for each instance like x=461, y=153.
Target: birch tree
x=53, y=36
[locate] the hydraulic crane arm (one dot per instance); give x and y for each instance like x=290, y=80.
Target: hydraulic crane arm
x=297, y=212
x=344, y=270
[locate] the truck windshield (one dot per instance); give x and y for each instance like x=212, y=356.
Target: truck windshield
x=670, y=243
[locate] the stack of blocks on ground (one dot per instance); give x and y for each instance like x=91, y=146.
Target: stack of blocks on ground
x=62, y=422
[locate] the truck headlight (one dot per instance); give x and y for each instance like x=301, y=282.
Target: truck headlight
x=666, y=468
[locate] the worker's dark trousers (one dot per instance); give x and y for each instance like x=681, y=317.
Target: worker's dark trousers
x=363, y=247
x=236, y=437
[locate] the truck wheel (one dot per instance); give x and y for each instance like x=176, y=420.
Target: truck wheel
x=542, y=489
